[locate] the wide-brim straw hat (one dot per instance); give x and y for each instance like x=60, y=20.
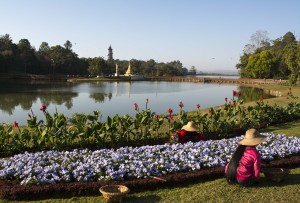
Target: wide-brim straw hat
x=252, y=138
x=190, y=126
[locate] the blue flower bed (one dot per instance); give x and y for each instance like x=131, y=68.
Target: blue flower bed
x=50, y=167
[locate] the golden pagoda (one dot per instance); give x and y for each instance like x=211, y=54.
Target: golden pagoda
x=129, y=71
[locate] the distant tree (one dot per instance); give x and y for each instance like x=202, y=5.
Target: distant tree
x=148, y=68
x=184, y=71
x=241, y=66
x=44, y=47
x=177, y=65
x=259, y=42
x=68, y=45
x=249, y=65
x=122, y=66
x=96, y=65
x=58, y=57
x=27, y=56
x=136, y=66
x=260, y=65
x=64, y=61
x=5, y=43
x=249, y=49
x=289, y=39
x=259, y=39
x=292, y=60
x=8, y=50
x=193, y=70
x=24, y=46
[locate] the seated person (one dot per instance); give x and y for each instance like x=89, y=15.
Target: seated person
x=188, y=133
x=245, y=164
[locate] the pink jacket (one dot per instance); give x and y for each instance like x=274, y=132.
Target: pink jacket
x=249, y=165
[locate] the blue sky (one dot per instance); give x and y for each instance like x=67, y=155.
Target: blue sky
x=192, y=31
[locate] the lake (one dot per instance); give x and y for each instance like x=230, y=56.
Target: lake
x=111, y=98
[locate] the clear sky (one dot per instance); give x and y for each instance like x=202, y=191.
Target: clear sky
x=207, y=34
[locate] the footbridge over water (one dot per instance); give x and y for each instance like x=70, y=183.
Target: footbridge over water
x=218, y=80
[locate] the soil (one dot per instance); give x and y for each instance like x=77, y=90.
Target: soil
x=14, y=191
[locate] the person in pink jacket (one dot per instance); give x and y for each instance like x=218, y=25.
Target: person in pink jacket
x=244, y=166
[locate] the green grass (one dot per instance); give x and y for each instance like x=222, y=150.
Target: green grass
x=213, y=191
x=289, y=129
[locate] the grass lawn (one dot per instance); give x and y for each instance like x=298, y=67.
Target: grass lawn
x=213, y=191
x=289, y=129
x=219, y=190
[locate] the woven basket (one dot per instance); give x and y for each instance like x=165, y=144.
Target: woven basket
x=114, y=193
x=275, y=174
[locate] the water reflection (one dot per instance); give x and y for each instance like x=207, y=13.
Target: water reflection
x=251, y=94
x=25, y=101
x=111, y=98
x=25, y=94
x=100, y=97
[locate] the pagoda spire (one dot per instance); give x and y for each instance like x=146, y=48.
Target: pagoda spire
x=129, y=71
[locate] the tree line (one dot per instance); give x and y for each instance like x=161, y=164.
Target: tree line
x=273, y=59
x=23, y=58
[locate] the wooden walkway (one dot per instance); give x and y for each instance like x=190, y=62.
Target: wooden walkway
x=217, y=80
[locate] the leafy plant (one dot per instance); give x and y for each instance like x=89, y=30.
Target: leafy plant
x=87, y=131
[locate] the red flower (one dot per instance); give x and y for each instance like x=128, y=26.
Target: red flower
x=43, y=108
x=261, y=99
x=180, y=104
x=15, y=124
x=170, y=111
x=29, y=115
x=234, y=93
x=198, y=106
x=239, y=94
x=210, y=113
x=136, y=106
x=226, y=99
x=156, y=116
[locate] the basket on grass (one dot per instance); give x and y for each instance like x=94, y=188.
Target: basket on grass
x=114, y=193
x=275, y=174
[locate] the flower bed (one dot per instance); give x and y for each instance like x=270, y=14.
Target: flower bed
x=49, y=167
x=80, y=172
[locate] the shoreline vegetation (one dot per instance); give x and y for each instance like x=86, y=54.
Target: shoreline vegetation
x=214, y=78
x=278, y=88
x=188, y=79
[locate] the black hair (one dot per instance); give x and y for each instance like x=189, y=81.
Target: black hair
x=234, y=163
x=190, y=137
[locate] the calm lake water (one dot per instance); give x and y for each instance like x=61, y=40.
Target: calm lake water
x=111, y=98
